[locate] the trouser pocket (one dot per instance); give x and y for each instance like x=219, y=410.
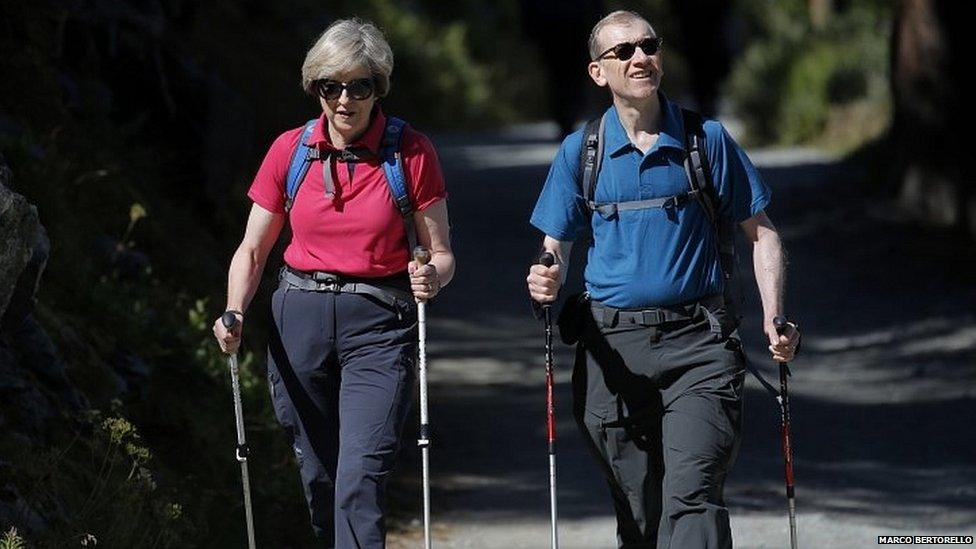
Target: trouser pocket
x=283, y=409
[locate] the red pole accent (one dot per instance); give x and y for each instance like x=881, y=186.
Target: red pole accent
x=788, y=455
x=550, y=408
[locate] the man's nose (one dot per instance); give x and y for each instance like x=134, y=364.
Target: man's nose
x=640, y=57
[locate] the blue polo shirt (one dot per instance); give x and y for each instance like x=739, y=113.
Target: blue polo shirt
x=652, y=257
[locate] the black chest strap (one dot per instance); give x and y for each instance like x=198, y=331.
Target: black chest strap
x=591, y=158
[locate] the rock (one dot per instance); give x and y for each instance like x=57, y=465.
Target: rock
x=14, y=509
x=29, y=362
x=37, y=354
x=132, y=372
x=26, y=409
x=130, y=264
x=18, y=233
x=22, y=299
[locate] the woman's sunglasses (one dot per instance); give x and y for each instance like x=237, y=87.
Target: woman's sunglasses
x=358, y=89
x=626, y=50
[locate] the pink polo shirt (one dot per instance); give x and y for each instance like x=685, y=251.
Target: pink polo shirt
x=358, y=231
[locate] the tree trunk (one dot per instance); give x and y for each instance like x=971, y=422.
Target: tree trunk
x=930, y=120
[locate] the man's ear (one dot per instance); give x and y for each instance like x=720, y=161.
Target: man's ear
x=596, y=73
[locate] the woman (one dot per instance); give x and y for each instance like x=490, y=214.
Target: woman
x=344, y=337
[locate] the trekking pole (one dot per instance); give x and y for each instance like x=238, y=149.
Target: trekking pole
x=547, y=260
x=784, y=406
x=229, y=320
x=422, y=256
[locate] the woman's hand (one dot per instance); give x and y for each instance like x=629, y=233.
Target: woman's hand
x=229, y=340
x=425, y=281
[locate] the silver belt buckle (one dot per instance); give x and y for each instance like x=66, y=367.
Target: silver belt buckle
x=325, y=282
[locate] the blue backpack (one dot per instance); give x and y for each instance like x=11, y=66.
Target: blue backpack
x=392, y=167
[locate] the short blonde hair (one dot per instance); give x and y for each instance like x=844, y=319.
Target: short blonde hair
x=345, y=45
x=619, y=17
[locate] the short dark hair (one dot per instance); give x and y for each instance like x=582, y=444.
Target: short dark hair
x=616, y=18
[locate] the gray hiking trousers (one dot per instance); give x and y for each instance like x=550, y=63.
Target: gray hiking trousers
x=660, y=406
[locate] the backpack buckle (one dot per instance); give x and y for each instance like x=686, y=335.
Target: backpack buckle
x=606, y=211
x=675, y=201
x=403, y=204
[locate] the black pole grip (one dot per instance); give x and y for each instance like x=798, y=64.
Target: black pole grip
x=780, y=324
x=547, y=259
x=229, y=320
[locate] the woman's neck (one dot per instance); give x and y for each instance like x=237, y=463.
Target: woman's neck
x=341, y=140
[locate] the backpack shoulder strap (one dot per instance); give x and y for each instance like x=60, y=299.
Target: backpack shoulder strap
x=591, y=157
x=703, y=189
x=301, y=159
x=395, y=177
x=697, y=166
x=700, y=179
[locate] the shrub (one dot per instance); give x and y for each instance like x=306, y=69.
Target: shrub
x=792, y=78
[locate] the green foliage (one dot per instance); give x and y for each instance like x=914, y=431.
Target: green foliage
x=793, y=79
x=12, y=540
x=99, y=488
x=454, y=61
x=439, y=80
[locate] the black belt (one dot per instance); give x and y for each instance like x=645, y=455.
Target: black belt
x=321, y=281
x=609, y=316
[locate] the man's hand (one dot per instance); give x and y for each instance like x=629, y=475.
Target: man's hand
x=544, y=283
x=782, y=347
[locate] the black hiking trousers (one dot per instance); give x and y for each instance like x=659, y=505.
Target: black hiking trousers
x=660, y=406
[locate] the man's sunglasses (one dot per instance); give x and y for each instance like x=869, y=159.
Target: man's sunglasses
x=358, y=89
x=626, y=50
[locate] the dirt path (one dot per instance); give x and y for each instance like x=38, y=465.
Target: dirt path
x=883, y=398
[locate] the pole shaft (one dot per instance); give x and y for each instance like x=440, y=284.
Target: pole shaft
x=551, y=430
x=424, y=441
x=784, y=402
x=792, y=523
x=426, y=471
x=554, y=542
x=242, y=449
x=422, y=354
x=248, y=514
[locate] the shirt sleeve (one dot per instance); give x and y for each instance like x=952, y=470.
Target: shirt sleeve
x=268, y=188
x=742, y=191
x=560, y=211
x=424, y=171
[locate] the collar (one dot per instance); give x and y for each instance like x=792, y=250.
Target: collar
x=371, y=138
x=671, y=133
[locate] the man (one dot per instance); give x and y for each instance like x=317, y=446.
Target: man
x=659, y=370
